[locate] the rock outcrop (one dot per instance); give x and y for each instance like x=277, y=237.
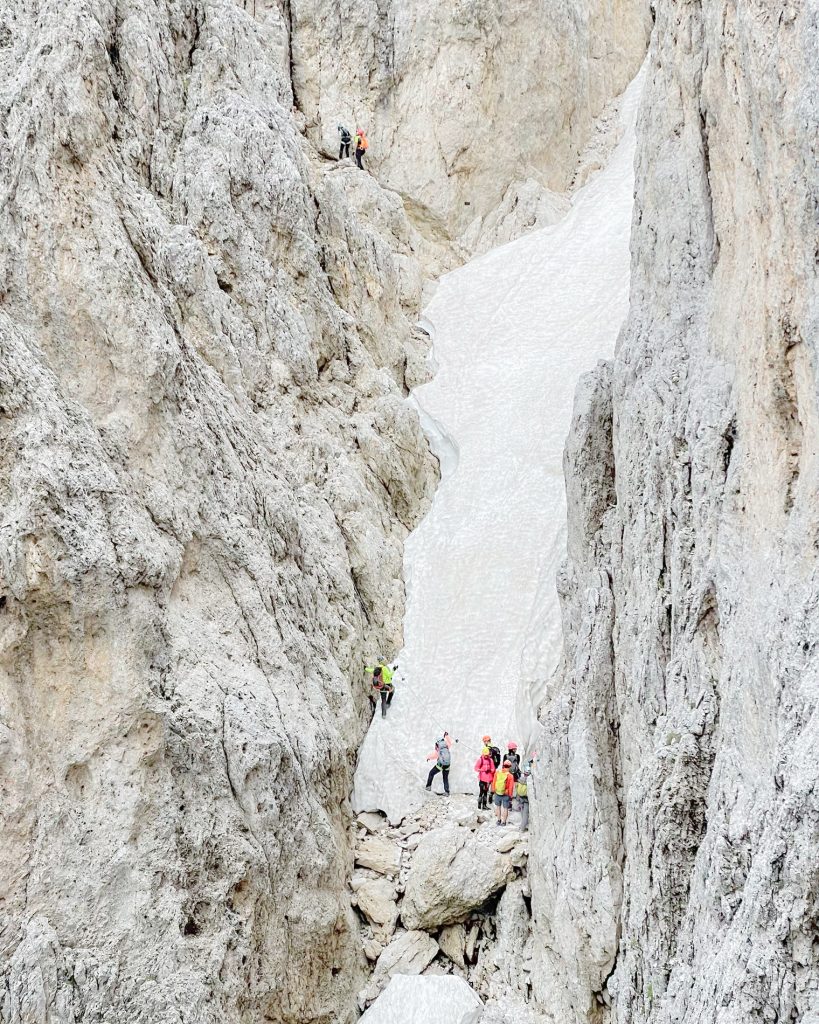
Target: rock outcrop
x=208, y=471
x=454, y=871
x=409, y=953
x=676, y=810
x=471, y=105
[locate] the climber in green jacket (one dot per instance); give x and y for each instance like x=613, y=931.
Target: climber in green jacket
x=382, y=675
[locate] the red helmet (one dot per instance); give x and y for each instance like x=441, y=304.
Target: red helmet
x=512, y=745
x=486, y=739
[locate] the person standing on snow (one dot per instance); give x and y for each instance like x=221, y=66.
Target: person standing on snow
x=346, y=139
x=443, y=760
x=361, y=147
x=485, y=767
x=503, y=787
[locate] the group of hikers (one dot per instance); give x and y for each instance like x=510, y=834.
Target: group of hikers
x=507, y=780
x=361, y=144
x=504, y=779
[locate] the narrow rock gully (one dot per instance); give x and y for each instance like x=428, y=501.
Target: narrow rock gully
x=441, y=890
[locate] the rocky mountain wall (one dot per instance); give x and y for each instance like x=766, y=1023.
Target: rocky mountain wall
x=207, y=472
x=469, y=105
x=207, y=469
x=676, y=822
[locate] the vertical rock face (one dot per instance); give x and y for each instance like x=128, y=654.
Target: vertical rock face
x=467, y=103
x=677, y=816
x=207, y=471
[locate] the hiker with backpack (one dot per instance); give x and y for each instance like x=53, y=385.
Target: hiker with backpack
x=494, y=753
x=513, y=757
x=503, y=788
x=522, y=793
x=382, y=684
x=485, y=767
x=361, y=147
x=443, y=760
x=346, y=139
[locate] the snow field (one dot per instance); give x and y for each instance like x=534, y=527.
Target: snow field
x=512, y=331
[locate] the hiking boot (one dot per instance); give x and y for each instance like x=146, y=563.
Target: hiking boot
x=428, y=789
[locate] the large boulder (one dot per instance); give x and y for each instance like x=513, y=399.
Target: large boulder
x=419, y=1000
x=454, y=871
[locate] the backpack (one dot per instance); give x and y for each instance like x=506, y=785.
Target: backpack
x=362, y=142
x=523, y=788
x=514, y=764
x=494, y=753
x=444, y=756
x=500, y=782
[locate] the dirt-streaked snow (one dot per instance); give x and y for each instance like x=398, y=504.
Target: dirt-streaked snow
x=512, y=331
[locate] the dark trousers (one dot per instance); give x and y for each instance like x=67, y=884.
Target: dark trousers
x=434, y=771
x=483, y=795
x=344, y=150
x=359, y=153
x=386, y=699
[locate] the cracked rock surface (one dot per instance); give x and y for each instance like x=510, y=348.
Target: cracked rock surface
x=476, y=110
x=207, y=473
x=676, y=809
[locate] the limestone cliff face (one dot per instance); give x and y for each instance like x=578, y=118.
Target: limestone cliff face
x=677, y=820
x=207, y=471
x=469, y=104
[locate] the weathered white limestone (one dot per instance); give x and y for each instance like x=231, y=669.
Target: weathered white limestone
x=453, y=872
x=676, y=799
x=207, y=474
x=476, y=110
x=408, y=953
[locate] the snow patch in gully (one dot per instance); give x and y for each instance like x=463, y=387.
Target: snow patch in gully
x=512, y=331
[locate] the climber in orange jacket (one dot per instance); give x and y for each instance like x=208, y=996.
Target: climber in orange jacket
x=361, y=147
x=503, y=789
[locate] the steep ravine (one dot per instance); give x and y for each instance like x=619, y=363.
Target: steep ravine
x=207, y=473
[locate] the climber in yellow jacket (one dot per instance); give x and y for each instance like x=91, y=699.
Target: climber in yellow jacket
x=503, y=789
x=382, y=683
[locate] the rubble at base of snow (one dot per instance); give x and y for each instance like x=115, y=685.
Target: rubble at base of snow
x=375, y=898
x=372, y=821
x=378, y=853
x=454, y=871
x=452, y=941
x=408, y=953
x=409, y=1000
